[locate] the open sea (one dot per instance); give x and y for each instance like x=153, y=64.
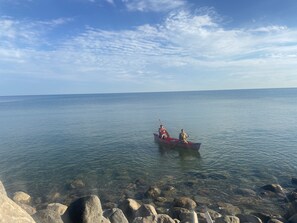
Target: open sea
x=249, y=139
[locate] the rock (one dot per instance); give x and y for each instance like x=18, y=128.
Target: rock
x=248, y=218
x=264, y=217
x=21, y=197
x=84, y=210
x=276, y=188
x=160, y=218
x=178, y=212
x=292, y=196
x=213, y=214
x=47, y=216
x=75, y=184
x=293, y=219
x=202, y=200
x=145, y=210
x=191, y=217
x=228, y=209
x=294, y=180
x=275, y=221
x=57, y=207
x=153, y=192
x=10, y=212
x=228, y=219
x=2, y=189
x=115, y=215
x=185, y=202
x=246, y=192
x=129, y=207
x=30, y=210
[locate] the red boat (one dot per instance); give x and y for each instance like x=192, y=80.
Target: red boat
x=173, y=143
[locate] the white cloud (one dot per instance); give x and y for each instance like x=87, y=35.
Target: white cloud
x=186, y=48
x=153, y=5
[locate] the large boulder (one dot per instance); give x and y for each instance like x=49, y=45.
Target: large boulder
x=10, y=212
x=84, y=210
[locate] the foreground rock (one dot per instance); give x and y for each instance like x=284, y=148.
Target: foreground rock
x=10, y=212
x=115, y=215
x=85, y=210
x=160, y=218
x=2, y=189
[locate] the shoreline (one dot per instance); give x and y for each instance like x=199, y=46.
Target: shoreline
x=167, y=200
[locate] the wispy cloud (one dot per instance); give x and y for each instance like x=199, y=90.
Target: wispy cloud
x=185, y=49
x=153, y=5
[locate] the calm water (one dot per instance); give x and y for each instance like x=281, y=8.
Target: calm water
x=249, y=139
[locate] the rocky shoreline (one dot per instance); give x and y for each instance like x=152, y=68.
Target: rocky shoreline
x=153, y=205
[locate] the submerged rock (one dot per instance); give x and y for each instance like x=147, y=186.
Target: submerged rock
x=294, y=180
x=185, y=202
x=276, y=188
x=21, y=197
x=153, y=192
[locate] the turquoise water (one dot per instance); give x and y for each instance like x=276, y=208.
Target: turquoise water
x=249, y=139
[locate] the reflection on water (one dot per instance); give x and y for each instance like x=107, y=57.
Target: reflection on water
x=183, y=154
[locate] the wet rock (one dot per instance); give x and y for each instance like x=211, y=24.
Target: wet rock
x=115, y=215
x=153, y=192
x=21, y=197
x=294, y=180
x=2, y=189
x=160, y=218
x=129, y=208
x=57, y=207
x=228, y=209
x=293, y=219
x=29, y=209
x=202, y=200
x=47, y=216
x=248, y=218
x=276, y=188
x=77, y=183
x=10, y=212
x=246, y=192
x=178, y=212
x=190, y=216
x=275, y=221
x=145, y=210
x=213, y=214
x=264, y=217
x=292, y=196
x=228, y=219
x=84, y=210
x=185, y=202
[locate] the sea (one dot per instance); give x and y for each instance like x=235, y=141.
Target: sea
x=248, y=139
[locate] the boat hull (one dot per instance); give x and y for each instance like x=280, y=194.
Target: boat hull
x=175, y=143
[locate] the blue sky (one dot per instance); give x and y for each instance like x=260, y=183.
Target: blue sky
x=104, y=46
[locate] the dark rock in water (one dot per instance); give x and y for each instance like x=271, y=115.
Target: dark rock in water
x=216, y=176
x=185, y=202
x=293, y=219
x=115, y=215
x=291, y=210
x=198, y=175
x=292, y=196
x=84, y=210
x=153, y=192
x=294, y=180
x=189, y=184
x=177, y=212
x=248, y=218
x=264, y=217
x=275, y=221
x=246, y=192
x=47, y=216
x=160, y=218
x=276, y=188
x=75, y=184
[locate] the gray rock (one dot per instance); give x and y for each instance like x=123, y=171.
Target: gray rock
x=228, y=209
x=293, y=219
x=185, y=202
x=47, y=216
x=115, y=215
x=21, y=197
x=84, y=210
x=276, y=188
x=75, y=184
x=2, y=189
x=10, y=212
x=129, y=207
x=160, y=218
x=248, y=218
x=29, y=209
x=145, y=210
x=57, y=207
x=153, y=192
x=178, y=212
x=190, y=217
x=228, y=219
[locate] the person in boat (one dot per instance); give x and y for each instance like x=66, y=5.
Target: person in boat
x=183, y=136
x=163, y=134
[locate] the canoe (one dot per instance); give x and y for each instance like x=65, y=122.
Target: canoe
x=173, y=143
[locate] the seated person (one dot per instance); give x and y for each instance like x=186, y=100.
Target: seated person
x=163, y=134
x=183, y=136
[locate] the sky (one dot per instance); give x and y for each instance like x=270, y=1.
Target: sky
x=114, y=46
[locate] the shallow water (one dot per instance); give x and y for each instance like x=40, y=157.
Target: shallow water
x=248, y=138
